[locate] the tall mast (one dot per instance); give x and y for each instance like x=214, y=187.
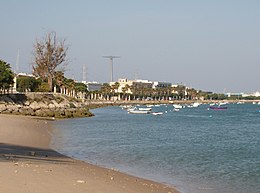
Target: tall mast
x=111, y=65
x=84, y=73
x=17, y=61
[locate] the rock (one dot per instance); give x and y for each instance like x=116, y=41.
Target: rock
x=42, y=105
x=12, y=108
x=30, y=111
x=55, y=103
x=68, y=113
x=27, y=103
x=51, y=106
x=34, y=105
x=2, y=107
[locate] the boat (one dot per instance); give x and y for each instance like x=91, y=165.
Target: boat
x=157, y=113
x=131, y=108
x=218, y=108
x=126, y=106
x=195, y=105
x=176, y=106
x=144, y=109
x=139, y=112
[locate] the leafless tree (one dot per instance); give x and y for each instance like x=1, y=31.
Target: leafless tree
x=49, y=53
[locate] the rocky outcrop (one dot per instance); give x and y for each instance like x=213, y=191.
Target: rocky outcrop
x=43, y=105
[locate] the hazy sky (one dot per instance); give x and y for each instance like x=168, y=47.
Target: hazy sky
x=212, y=45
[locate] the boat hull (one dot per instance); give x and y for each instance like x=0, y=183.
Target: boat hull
x=138, y=112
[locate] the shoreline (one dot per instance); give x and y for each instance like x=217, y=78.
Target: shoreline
x=28, y=165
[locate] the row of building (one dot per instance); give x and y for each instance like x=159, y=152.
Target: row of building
x=125, y=83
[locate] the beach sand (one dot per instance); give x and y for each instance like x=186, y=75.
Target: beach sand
x=28, y=165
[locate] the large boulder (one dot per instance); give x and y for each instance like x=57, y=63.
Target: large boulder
x=2, y=107
x=51, y=106
x=34, y=105
x=42, y=105
x=12, y=108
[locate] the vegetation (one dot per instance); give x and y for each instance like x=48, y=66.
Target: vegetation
x=6, y=77
x=28, y=84
x=80, y=87
x=49, y=53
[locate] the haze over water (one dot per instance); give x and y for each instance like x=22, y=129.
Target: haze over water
x=196, y=149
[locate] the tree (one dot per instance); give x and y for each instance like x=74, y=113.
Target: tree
x=70, y=86
x=105, y=90
x=6, y=76
x=59, y=80
x=81, y=87
x=115, y=87
x=180, y=89
x=49, y=53
x=27, y=84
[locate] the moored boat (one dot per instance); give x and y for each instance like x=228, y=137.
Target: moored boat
x=157, y=113
x=145, y=109
x=139, y=112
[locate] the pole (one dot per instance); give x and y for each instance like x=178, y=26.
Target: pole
x=112, y=69
x=111, y=65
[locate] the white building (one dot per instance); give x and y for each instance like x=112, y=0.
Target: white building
x=256, y=94
x=93, y=86
x=123, y=82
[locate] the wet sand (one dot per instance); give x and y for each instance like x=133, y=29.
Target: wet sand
x=28, y=165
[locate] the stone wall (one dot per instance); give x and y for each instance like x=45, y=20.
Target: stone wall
x=43, y=105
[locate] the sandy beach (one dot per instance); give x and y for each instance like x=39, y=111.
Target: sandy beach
x=28, y=165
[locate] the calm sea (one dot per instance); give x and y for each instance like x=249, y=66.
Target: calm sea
x=196, y=149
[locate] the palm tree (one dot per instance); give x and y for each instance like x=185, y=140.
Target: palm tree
x=124, y=91
x=180, y=89
x=59, y=79
x=115, y=88
x=70, y=87
x=106, y=90
x=192, y=93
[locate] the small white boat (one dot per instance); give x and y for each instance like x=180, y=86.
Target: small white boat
x=195, y=105
x=139, y=112
x=126, y=106
x=157, y=113
x=144, y=109
x=132, y=108
x=176, y=106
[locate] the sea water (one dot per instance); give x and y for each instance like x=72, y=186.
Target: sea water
x=198, y=150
